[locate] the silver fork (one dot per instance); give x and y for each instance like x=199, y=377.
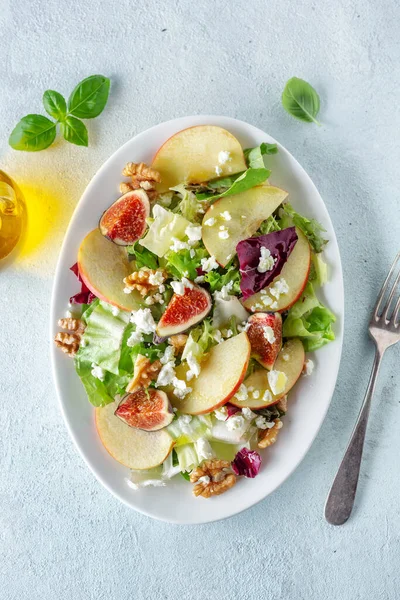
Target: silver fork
x=384, y=328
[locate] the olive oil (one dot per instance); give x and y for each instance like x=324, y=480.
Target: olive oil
x=12, y=214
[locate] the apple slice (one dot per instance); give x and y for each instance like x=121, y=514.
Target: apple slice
x=146, y=409
x=247, y=211
x=220, y=377
x=191, y=156
x=134, y=448
x=103, y=266
x=124, y=222
x=184, y=311
x=295, y=272
x=290, y=361
x=265, y=335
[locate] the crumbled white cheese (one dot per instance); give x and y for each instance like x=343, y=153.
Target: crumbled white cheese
x=308, y=367
x=280, y=287
x=267, y=396
x=193, y=232
x=277, y=381
x=166, y=375
x=223, y=233
x=262, y=423
x=256, y=394
x=68, y=314
x=97, y=372
x=200, y=279
x=221, y=413
x=161, y=288
x=156, y=278
x=218, y=170
x=244, y=326
x=194, y=367
x=266, y=261
x=149, y=301
x=248, y=414
x=279, y=424
x=210, y=222
x=226, y=215
x=135, y=338
x=217, y=335
x=234, y=422
x=209, y=264
x=269, y=334
x=266, y=300
x=180, y=286
x=177, y=245
x=250, y=388
x=183, y=423
x=227, y=333
x=204, y=479
x=285, y=357
x=192, y=253
x=168, y=355
x=203, y=449
x=242, y=393
x=224, y=156
x=274, y=305
x=180, y=388
x=224, y=292
x=143, y=319
x=127, y=290
x=115, y=311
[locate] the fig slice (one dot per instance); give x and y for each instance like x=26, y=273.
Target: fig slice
x=265, y=335
x=124, y=222
x=147, y=409
x=184, y=311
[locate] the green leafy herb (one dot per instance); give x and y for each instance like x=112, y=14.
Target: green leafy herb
x=269, y=225
x=254, y=156
x=74, y=131
x=220, y=277
x=89, y=97
x=300, y=100
x=310, y=320
x=182, y=264
x=54, y=104
x=87, y=101
x=143, y=257
x=310, y=227
x=33, y=133
x=242, y=183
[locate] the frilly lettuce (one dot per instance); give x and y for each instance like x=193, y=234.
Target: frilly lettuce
x=143, y=256
x=217, y=279
x=310, y=227
x=310, y=320
x=182, y=264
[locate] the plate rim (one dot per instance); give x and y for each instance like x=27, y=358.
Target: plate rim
x=53, y=317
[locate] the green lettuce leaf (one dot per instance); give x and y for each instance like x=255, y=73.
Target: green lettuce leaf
x=318, y=270
x=310, y=227
x=254, y=156
x=237, y=184
x=102, y=338
x=189, y=206
x=268, y=226
x=182, y=264
x=143, y=256
x=220, y=277
x=310, y=320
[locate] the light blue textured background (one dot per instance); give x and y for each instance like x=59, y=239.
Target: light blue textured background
x=62, y=535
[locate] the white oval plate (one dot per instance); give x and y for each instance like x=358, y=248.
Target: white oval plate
x=308, y=402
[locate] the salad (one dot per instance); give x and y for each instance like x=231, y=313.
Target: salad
x=196, y=310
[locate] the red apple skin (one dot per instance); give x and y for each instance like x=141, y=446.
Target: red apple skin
x=262, y=350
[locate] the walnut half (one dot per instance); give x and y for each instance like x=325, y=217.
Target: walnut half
x=144, y=371
x=213, y=477
x=68, y=341
x=268, y=436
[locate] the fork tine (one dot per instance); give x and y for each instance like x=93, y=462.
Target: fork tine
x=384, y=288
x=396, y=313
x=389, y=302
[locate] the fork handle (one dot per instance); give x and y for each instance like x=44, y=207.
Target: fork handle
x=339, y=503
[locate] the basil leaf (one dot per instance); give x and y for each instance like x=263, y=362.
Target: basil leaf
x=74, y=131
x=244, y=182
x=54, y=104
x=33, y=133
x=254, y=156
x=300, y=100
x=89, y=97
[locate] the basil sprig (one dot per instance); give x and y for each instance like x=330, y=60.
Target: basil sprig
x=300, y=100
x=87, y=101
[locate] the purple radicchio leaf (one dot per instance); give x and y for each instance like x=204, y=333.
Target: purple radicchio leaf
x=85, y=296
x=279, y=243
x=247, y=463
